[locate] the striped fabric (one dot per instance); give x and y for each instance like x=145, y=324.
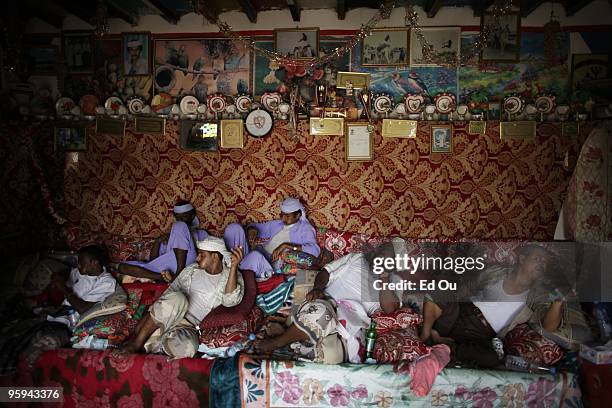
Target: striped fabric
x=272, y=301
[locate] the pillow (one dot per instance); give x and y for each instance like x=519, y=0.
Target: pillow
x=227, y=335
x=289, y=261
x=525, y=342
x=225, y=316
x=115, y=327
x=399, y=345
x=402, y=319
x=112, y=304
x=39, y=278
x=150, y=291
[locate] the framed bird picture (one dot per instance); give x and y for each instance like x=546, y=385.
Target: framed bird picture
x=444, y=40
x=385, y=47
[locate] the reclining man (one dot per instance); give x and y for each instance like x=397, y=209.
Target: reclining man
x=169, y=258
x=505, y=297
x=314, y=330
x=292, y=232
x=89, y=283
x=171, y=324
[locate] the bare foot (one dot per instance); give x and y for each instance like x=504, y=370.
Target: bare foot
x=264, y=346
x=437, y=339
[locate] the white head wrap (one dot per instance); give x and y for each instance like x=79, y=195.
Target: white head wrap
x=134, y=43
x=214, y=244
x=181, y=209
x=291, y=205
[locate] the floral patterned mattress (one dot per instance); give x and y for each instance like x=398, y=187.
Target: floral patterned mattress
x=266, y=383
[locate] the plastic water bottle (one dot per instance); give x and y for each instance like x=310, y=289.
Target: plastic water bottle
x=240, y=345
x=370, y=335
x=98, y=344
x=73, y=318
x=603, y=320
x=516, y=363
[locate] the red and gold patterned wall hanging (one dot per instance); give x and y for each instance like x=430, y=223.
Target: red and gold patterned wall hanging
x=487, y=188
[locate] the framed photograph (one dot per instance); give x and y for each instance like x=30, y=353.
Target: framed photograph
x=77, y=50
x=505, y=38
x=359, y=142
x=136, y=53
x=298, y=43
x=588, y=67
x=232, y=133
x=107, y=58
x=441, y=138
x=358, y=80
x=199, y=136
x=70, y=139
x=445, y=41
x=42, y=59
x=494, y=111
x=201, y=67
x=327, y=126
x=385, y=47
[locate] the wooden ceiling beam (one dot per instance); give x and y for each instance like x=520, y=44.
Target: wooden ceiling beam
x=209, y=10
x=164, y=11
x=115, y=8
x=574, y=6
x=77, y=9
x=529, y=6
x=432, y=7
x=249, y=9
x=295, y=10
x=341, y=9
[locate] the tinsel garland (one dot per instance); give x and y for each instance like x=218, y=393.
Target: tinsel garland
x=430, y=56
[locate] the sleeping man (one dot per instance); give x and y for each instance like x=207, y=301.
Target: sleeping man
x=171, y=324
x=169, y=258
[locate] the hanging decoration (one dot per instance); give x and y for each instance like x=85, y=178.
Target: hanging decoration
x=551, y=32
x=383, y=12
x=101, y=20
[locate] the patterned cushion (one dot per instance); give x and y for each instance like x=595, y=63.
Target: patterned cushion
x=402, y=319
x=39, y=278
x=112, y=304
x=527, y=343
x=227, y=335
x=399, y=345
x=226, y=316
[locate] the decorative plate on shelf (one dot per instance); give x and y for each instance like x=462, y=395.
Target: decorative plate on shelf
x=88, y=104
x=189, y=105
x=259, y=123
x=414, y=102
x=445, y=102
x=161, y=103
x=113, y=103
x=136, y=105
x=243, y=103
x=545, y=103
x=383, y=103
x=216, y=102
x=64, y=105
x=271, y=100
x=514, y=104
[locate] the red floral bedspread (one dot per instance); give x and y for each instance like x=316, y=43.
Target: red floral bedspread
x=98, y=379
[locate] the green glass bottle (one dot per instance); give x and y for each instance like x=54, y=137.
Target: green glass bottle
x=370, y=335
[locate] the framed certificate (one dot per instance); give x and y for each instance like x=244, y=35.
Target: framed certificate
x=327, y=126
x=359, y=143
x=232, y=135
x=399, y=128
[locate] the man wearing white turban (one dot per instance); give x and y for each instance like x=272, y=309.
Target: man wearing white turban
x=292, y=232
x=135, y=64
x=171, y=324
x=169, y=258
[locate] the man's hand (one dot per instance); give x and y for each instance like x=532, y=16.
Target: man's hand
x=315, y=294
x=279, y=249
x=251, y=236
x=167, y=276
x=237, y=255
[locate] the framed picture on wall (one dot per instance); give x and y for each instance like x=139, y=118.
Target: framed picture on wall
x=232, y=133
x=70, y=139
x=42, y=59
x=136, y=53
x=298, y=43
x=199, y=136
x=386, y=47
x=107, y=58
x=441, y=138
x=444, y=40
x=358, y=142
x=77, y=50
x=505, y=37
x=588, y=67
